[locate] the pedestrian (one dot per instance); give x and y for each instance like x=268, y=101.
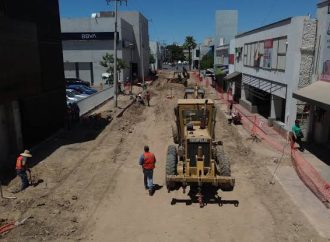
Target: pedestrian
x=148, y=98
x=22, y=167
x=298, y=134
x=147, y=161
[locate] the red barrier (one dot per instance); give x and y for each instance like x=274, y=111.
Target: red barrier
x=311, y=177
x=307, y=173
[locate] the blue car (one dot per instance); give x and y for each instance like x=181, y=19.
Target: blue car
x=82, y=89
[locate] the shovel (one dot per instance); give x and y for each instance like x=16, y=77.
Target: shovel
x=1, y=194
x=10, y=226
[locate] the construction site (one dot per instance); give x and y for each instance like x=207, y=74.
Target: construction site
x=87, y=184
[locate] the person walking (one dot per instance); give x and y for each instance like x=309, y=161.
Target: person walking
x=147, y=161
x=22, y=167
x=148, y=98
x=298, y=134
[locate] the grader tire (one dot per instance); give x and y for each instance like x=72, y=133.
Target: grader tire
x=175, y=134
x=223, y=166
x=171, y=162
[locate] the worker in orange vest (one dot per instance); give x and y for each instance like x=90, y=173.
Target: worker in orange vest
x=147, y=161
x=21, y=168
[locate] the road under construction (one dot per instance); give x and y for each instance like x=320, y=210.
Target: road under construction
x=90, y=186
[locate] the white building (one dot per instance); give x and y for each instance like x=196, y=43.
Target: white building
x=274, y=61
x=156, y=52
x=86, y=40
x=317, y=94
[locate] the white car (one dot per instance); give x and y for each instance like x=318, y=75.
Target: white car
x=70, y=93
x=71, y=99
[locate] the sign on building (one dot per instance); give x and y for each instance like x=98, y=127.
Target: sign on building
x=268, y=49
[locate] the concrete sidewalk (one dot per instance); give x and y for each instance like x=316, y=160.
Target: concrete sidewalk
x=317, y=214
x=314, y=172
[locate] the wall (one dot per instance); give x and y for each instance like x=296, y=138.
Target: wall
x=225, y=25
x=31, y=80
x=87, y=104
x=323, y=43
x=225, y=29
x=21, y=52
x=232, y=52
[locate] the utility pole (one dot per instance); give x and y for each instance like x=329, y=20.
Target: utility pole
x=115, y=74
x=142, y=53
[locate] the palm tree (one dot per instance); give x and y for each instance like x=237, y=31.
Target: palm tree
x=189, y=44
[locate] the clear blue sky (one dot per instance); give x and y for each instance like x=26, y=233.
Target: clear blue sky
x=172, y=20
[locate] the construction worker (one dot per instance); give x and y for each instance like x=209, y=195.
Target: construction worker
x=298, y=134
x=147, y=161
x=148, y=98
x=21, y=168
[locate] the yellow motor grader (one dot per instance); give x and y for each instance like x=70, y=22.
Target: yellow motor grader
x=197, y=160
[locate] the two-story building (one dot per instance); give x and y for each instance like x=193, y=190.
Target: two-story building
x=86, y=40
x=274, y=61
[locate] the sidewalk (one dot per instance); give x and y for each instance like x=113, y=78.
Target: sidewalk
x=314, y=172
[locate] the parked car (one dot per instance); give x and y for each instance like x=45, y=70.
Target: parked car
x=74, y=81
x=75, y=94
x=82, y=89
x=71, y=99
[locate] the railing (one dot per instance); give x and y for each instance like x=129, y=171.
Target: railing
x=87, y=104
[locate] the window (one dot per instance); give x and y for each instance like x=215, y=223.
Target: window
x=267, y=54
x=281, y=54
x=274, y=54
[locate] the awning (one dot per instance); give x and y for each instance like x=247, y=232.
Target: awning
x=232, y=75
x=317, y=94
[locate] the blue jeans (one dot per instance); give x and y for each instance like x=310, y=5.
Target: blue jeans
x=148, y=174
x=25, y=181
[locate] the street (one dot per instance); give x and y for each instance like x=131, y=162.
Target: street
x=92, y=186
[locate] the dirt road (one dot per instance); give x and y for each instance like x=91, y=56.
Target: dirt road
x=92, y=187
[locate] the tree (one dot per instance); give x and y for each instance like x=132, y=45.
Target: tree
x=108, y=62
x=207, y=62
x=176, y=52
x=189, y=45
x=152, y=59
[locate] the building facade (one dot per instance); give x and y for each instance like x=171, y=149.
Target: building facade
x=32, y=89
x=86, y=40
x=225, y=30
x=205, y=48
x=275, y=60
x=156, y=51
x=315, y=95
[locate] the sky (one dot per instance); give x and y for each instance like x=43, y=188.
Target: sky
x=172, y=20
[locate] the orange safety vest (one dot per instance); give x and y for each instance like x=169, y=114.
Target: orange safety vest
x=19, y=163
x=149, y=160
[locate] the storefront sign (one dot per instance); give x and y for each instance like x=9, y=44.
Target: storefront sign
x=268, y=49
x=89, y=36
